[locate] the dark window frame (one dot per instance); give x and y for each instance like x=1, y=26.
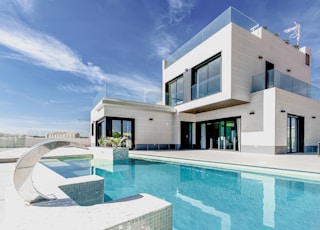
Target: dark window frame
x=308, y=59
x=168, y=93
x=201, y=65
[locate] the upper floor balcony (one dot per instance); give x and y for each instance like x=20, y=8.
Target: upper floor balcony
x=283, y=81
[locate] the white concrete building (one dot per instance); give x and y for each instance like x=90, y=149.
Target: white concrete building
x=234, y=85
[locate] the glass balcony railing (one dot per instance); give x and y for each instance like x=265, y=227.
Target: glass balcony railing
x=173, y=100
x=277, y=79
x=206, y=88
x=230, y=15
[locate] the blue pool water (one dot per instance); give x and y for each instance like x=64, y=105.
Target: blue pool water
x=205, y=198
x=69, y=168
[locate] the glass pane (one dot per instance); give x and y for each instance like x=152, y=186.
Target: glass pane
x=292, y=134
x=202, y=81
x=116, y=128
x=214, y=67
x=294, y=129
x=179, y=91
x=101, y=129
x=215, y=134
x=230, y=134
x=173, y=93
x=289, y=134
x=214, y=83
x=127, y=132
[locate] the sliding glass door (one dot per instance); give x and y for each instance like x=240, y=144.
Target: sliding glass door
x=295, y=134
x=219, y=134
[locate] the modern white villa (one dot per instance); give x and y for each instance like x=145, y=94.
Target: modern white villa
x=234, y=86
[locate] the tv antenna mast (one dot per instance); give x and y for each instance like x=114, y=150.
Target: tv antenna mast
x=295, y=32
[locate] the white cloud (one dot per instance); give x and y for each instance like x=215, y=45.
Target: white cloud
x=72, y=88
x=164, y=44
x=44, y=50
x=179, y=9
x=26, y=5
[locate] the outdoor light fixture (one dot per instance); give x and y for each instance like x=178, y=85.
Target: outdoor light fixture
x=150, y=119
x=260, y=57
x=186, y=69
x=288, y=70
x=313, y=117
x=282, y=111
x=251, y=113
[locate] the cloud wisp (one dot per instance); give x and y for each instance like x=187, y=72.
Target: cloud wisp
x=26, y=5
x=44, y=50
x=179, y=9
x=41, y=49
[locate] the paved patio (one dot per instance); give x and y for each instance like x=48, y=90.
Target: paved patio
x=299, y=162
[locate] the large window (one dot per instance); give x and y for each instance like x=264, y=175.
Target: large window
x=206, y=79
x=117, y=127
x=175, y=92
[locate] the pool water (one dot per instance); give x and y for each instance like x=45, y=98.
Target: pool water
x=204, y=198
x=69, y=167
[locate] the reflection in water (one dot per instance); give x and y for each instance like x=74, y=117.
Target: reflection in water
x=205, y=198
x=268, y=195
x=225, y=218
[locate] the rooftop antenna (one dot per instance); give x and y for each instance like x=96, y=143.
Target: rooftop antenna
x=295, y=32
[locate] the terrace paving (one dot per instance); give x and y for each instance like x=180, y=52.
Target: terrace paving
x=298, y=162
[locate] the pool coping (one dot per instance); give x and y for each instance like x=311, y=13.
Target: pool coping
x=274, y=171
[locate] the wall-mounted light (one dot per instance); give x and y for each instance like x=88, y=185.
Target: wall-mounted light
x=186, y=69
x=260, y=57
x=313, y=117
x=288, y=70
x=251, y=113
x=282, y=111
x=150, y=119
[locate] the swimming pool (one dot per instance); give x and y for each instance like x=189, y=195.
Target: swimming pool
x=205, y=198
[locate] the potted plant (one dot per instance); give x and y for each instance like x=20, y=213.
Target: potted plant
x=115, y=144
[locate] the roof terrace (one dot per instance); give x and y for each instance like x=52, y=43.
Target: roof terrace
x=230, y=15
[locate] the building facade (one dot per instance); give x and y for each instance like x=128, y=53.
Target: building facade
x=233, y=86
x=63, y=135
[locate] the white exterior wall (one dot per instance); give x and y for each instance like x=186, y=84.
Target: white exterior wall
x=247, y=47
x=97, y=113
x=262, y=139
x=292, y=104
x=283, y=56
x=153, y=124
x=220, y=42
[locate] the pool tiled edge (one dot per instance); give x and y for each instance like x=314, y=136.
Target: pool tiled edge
x=85, y=190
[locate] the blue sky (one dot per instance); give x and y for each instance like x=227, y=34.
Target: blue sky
x=56, y=55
